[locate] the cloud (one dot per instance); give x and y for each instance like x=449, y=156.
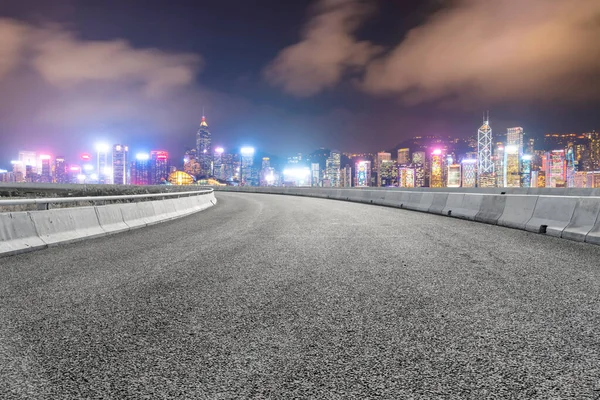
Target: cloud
x=11, y=44
x=327, y=51
x=494, y=51
x=63, y=60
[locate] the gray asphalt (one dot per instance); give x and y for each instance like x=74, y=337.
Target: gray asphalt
x=266, y=296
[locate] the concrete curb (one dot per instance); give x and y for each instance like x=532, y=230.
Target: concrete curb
x=32, y=230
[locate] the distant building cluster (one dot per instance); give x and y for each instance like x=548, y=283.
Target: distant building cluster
x=561, y=160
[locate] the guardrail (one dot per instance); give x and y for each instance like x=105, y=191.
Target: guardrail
x=23, y=231
x=567, y=216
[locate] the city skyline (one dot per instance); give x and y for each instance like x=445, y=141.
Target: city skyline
x=291, y=76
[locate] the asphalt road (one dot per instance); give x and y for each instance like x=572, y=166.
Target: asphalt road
x=266, y=296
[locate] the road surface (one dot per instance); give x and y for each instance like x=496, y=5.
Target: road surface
x=266, y=296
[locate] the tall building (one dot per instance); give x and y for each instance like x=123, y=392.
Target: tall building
x=499, y=165
x=159, y=167
x=514, y=137
x=454, y=176
x=119, y=164
x=102, y=169
x=526, y=171
x=332, y=168
x=436, y=178
x=387, y=174
x=204, y=148
x=46, y=175
x=485, y=167
x=140, y=170
x=346, y=177
x=406, y=177
x=556, y=175
x=315, y=175
x=247, y=166
x=60, y=170
x=512, y=166
x=363, y=174
x=381, y=157
x=571, y=165
x=469, y=173
x=218, y=169
x=403, y=156
x=419, y=163
x=26, y=158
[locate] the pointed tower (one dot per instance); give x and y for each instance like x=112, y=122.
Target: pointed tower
x=204, y=148
x=485, y=170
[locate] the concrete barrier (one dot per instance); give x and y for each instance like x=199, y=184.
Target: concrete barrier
x=137, y=215
x=552, y=213
x=492, y=207
x=453, y=202
x=438, y=203
x=111, y=219
x=64, y=225
x=18, y=234
x=518, y=211
x=584, y=219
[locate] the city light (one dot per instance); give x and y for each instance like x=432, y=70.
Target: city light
x=81, y=178
x=88, y=167
x=469, y=161
x=75, y=168
x=102, y=147
x=94, y=177
x=142, y=156
x=85, y=156
x=219, y=150
x=527, y=157
x=247, y=151
x=45, y=157
x=16, y=162
x=511, y=148
x=437, y=152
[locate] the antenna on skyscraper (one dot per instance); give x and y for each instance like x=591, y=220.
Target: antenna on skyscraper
x=488, y=116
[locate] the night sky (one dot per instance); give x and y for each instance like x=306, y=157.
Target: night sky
x=291, y=76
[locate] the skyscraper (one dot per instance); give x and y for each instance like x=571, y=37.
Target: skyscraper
x=119, y=164
x=159, y=166
x=363, y=174
x=332, y=168
x=140, y=170
x=381, y=157
x=436, y=179
x=485, y=168
x=514, y=137
x=204, y=149
x=403, y=157
x=46, y=175
x=469, y=173
x=512, y=166
x=454, y=175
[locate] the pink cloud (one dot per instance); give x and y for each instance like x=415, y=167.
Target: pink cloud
x=327, y=50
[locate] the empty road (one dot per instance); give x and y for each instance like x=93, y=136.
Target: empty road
x=266, y=296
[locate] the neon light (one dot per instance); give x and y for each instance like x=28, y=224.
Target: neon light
x=437, y=152
x=44, y=157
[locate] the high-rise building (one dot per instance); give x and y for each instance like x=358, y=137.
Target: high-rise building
x=159, y=167
x=346, y=177
x=499, y=165
x=526, y=170
x=419, y=163
x=140, y=170
x=204, y=149
x=556, y=175
x=485, y=167
x=119, y=164
x=406, y=177
x=512, y=166
x=102, y=169
x=454, y=175
x=332, y=168
x=381, y=157
x=436, y=178
x=363, y=174
x=571, y=165
x=247, y=166
x=315, y=175
x=594, y=142
x=46, y=175
x=403, y=157
x=26, y=158
x=469, y=173
x=217, y=163
x=514, y=137
x=387, y=173
x=530, y=146
x=60, y=170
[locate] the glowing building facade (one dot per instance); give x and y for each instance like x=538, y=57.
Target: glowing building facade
x=332, y=168
x=454, y=175
x=512, y=168
x=436, y=178
x=119, y=164
x=403, y=157
x=363, y=174
x=485, y=167
x=469, y=173
x=556, y=175
x=204, y=148
x=419, y=164
x=526, y=170
x=159, y=167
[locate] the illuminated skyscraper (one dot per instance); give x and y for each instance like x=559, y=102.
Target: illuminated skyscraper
x=469, y=173
x=499, y=164
x=387, y=173
x=159, y=167
x=403, y=157
x=315, y=175
x=485, y=168
x=571, y=169
x=406, y=177
x=102, y=163
x=346, y=177
x=363, y=174
x=60, y=170
x=436, y=179
x=204, y=149
x=514, y=137
x=46, y=175
x=332, y=168
x=140, y=170
x=419, y=164
x=218, y=168
x=381, y=157
x=454, y=175
x=247, y=166
x=556, y=176
x=26, y=158
x=512, y=166
x=119, y=164
x=526, y=171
